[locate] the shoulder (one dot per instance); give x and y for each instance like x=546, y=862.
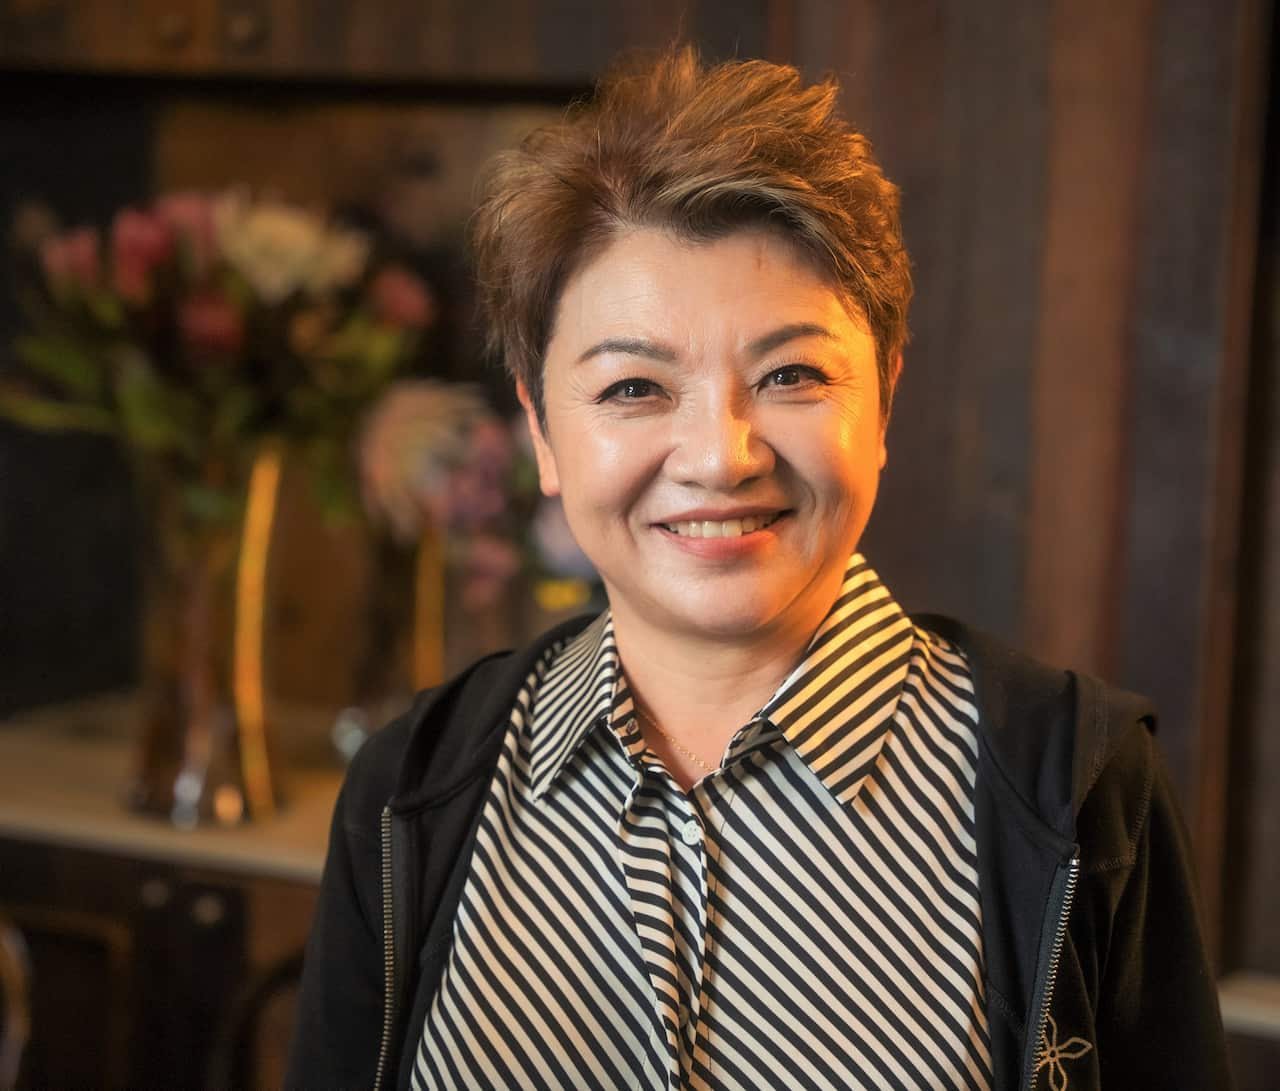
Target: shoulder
x=1064, y=741
x=1114, y=813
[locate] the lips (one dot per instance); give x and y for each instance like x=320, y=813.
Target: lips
x=721, y=528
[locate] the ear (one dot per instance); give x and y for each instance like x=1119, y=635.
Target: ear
x=895, y=371
x=548, y=473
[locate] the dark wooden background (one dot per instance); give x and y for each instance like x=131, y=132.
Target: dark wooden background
x=1085, y=455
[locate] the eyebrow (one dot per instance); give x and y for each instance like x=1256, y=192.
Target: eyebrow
x=638, y=346
x=783, y=334
x=630, y=346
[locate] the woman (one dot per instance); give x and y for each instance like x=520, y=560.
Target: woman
x=752, y=827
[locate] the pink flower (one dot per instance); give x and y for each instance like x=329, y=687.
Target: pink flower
x=476, y=490
x=399, y=298
x=139, y=244
x=490, y=444
x=73, y=260
x=211, y=325
x=487, y=567
x=189, y=216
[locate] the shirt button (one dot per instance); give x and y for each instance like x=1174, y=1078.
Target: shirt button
x=692, y=832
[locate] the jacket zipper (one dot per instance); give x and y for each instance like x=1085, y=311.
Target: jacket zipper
x=1051, y=978
x=388, y=954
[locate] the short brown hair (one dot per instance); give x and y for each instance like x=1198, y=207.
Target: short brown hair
x=701, y=152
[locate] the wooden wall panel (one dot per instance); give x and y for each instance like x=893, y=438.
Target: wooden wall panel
x=1251, y=920
x=1176, y=332
x=1099, y=71
x=957, y=107
x=1254, y=928
x=731, y=28
x=1196, y=255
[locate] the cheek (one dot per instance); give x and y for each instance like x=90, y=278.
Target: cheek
x=834, y=451
x=604, y=471
x=843, y=463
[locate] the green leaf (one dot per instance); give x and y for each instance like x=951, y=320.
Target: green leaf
x=524, y=477
x=155, y=418
x=64, y=363
x=332, y=480
x=367, y=354
x=237, y=289
x=384, y=355
x=234, y=411
x=106, y=309
x=210, y=505
x=306, y=406
x=48, y=415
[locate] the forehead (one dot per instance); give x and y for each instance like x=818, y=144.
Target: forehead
x=732, y=287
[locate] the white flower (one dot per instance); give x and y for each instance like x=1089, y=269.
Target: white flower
x=340, y=260
x=280, y=249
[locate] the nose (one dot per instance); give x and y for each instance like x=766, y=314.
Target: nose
x=719, y=447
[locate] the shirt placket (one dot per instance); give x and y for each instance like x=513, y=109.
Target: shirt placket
x=661, y=852
x=645, y=856
x=690, y=901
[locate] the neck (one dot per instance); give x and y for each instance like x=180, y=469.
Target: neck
x=702, y=689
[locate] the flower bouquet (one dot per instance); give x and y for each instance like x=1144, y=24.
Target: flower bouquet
x=206, y=334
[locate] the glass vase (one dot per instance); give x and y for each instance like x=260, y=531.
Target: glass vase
x=204, y=753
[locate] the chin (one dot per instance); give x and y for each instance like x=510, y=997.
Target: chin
x=721, y=614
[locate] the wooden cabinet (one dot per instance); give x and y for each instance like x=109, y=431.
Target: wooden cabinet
x=158, y=957
x=493, y=42
x=139, y=968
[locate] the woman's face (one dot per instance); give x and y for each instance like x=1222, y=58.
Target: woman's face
x=713, y=427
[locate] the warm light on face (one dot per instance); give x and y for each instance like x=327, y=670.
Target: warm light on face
x=712, y=422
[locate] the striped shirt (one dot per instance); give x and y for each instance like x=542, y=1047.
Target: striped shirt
x=806, y=916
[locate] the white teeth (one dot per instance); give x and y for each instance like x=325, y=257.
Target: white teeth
x=727, y=528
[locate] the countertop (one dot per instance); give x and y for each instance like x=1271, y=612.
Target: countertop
x=63, y=774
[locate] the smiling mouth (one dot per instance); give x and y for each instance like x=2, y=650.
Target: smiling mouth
x=722, y=528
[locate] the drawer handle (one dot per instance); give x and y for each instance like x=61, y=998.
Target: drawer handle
x=155, y=893
x=246, y=29
x=208, y=910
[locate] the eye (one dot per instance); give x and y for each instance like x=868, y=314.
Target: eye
x=629, y=390
x=794, y=375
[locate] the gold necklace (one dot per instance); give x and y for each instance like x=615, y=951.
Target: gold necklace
x=680, y=749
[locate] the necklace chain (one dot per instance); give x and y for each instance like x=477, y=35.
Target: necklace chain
x=679, y=748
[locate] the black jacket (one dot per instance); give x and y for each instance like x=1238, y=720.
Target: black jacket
x=1096, y=975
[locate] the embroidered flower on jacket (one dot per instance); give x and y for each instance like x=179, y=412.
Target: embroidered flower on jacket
x=1053, y=1053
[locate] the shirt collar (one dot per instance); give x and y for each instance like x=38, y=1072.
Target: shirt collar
x=575, y=694
x=834, y=708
